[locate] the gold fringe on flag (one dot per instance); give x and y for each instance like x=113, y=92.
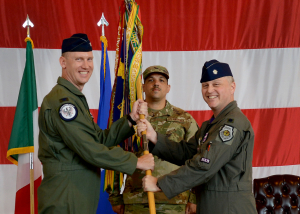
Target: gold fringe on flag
x=30, y=40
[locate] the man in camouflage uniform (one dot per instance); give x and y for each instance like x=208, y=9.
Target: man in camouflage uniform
x=177, y=125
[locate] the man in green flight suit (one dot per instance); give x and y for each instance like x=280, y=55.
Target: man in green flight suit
x=71, y=146
x=177, y=125
x=218, y=159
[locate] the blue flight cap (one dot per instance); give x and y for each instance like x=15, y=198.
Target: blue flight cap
x=76, y=43
x=214, y=69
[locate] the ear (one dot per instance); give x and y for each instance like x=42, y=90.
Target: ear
x=169, y=88
x=62, y=61
x=232, y=86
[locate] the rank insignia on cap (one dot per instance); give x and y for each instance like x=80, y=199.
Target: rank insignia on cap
x=226, y=133
x=205, y=160
x=214, y=69
x=68, y=112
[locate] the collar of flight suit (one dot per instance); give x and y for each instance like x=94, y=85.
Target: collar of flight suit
x=65, y=83
x=166, y=111
x=225, y=111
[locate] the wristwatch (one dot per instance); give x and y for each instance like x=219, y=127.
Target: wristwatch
x=131, y=120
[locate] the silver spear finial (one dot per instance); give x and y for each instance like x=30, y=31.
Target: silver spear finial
x=28, y=24
x=102, y=22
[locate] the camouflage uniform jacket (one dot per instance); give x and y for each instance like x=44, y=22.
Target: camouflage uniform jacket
x=177, y=125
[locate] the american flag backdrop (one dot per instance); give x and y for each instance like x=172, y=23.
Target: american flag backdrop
x=259, y=39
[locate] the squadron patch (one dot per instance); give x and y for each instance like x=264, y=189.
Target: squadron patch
x=226, y=133
x=68, y=112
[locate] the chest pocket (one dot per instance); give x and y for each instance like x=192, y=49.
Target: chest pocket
x=175, y=129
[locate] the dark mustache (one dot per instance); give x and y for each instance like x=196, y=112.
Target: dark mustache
x=155, y=87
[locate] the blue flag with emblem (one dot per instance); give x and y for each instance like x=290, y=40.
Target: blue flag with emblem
x=104, y=206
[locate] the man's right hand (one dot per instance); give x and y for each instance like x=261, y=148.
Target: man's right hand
x=145, y=162
x=119, y=209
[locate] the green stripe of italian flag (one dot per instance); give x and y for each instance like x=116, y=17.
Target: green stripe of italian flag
x=24, y=136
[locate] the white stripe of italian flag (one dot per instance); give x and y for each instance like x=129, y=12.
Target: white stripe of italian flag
x=24, y=136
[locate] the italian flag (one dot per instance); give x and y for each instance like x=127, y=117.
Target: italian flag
x=24, y=137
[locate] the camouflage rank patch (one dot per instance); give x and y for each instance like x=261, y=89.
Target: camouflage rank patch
x=226, y=133
x=68, y=112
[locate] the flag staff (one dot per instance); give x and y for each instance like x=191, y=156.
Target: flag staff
x=29, y=24
x=139, y=91
x=151, y=200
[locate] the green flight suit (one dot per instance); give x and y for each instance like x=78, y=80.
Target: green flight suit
x=178, y=125
x=218, y=162
x=72, y=152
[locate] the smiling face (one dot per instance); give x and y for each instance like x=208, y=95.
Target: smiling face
x=77, y=67
x=156, y=87
x=218, y=93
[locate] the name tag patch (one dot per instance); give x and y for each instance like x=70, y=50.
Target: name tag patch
x=68, y=112
x=205, y=160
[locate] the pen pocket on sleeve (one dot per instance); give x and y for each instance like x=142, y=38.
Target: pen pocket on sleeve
x=203, y=158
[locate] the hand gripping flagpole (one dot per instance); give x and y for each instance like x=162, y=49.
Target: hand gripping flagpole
x=151, y=199
x=29, y=24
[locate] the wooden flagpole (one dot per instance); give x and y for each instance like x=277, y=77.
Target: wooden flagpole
x=151, y=199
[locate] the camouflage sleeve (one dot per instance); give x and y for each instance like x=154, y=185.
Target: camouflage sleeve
x=115, y=198
x=192, y=129
x=192, y=198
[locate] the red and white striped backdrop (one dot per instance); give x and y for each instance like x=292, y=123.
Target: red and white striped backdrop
x=259, y=39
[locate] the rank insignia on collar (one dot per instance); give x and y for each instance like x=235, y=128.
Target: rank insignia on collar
x=226, y=133
x=92, y=115
x=68, y=112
